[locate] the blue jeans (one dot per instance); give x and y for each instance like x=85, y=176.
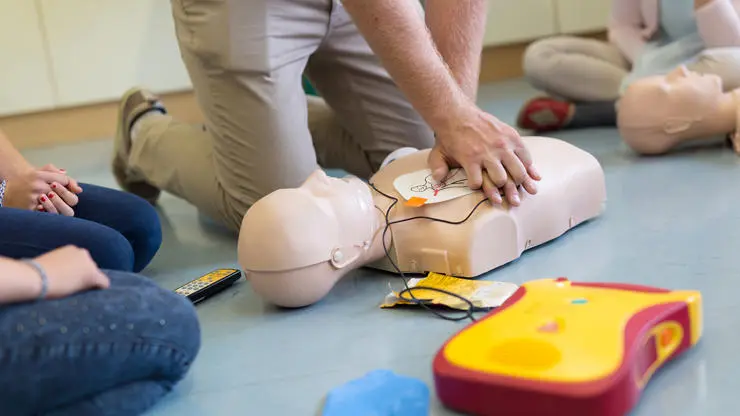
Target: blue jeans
x=121, y=230
x=105, y=352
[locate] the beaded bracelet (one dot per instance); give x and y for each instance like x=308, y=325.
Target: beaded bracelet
x=2, y=192
x=42, y=274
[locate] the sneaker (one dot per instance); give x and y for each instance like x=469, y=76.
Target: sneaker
x=543, y=114
x=397, y=154
x=134, y=103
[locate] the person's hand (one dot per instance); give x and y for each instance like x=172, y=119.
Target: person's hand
x=43, y=189
x=60, y=199
x=491, y=152
x=72, y=184
x=70, y=270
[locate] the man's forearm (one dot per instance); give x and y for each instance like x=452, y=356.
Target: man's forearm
x=11, y=160
x=457, y=28
x=398, y=35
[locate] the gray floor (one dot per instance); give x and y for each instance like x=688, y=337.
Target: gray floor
x=672, y=222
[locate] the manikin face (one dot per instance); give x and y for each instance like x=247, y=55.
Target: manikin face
x=655, y=111
x=348, y=199
x=299, y=227
x=680, y=94
x=681, y=78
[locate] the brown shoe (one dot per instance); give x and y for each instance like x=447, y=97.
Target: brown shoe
x=134, y=103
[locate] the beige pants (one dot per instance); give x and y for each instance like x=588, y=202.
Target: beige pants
x=245, y=59
x=582, y=69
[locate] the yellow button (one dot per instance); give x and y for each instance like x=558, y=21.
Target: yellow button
x=532, y=354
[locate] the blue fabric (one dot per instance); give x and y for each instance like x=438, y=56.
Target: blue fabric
x=677, y=19
x=116, y=351
x=678, y=42
x=379, y=393
x=121, y=230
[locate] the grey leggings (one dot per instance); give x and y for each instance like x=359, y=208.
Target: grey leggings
x=589, y=72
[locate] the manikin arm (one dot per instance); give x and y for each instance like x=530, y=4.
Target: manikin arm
x=457, y=28
x=718, y=22
x=625, y=28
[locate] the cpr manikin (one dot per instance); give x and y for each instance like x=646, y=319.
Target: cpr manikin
x=659, y=113
x=295, y=244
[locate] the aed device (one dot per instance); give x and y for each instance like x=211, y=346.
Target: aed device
x=557, y=347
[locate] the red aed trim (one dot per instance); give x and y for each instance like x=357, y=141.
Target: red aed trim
x=621, y=286
x=484, y=394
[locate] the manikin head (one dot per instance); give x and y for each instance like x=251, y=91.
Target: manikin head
x=657, y=113
x=295, y=244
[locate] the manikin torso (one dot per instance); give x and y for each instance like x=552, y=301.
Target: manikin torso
x=572, y=191
x=295, y=244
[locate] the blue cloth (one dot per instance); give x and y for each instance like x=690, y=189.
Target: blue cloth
x=379, y=393
x=116, y=351
x=121, y=230
x=677, y=42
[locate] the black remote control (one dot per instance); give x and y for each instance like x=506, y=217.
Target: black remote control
x=209, y=284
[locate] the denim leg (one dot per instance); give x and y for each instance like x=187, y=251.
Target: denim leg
x=104, y=352
x=30, y=234
x=126, y=213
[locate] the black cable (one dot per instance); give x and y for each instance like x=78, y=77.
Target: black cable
x=468, y=313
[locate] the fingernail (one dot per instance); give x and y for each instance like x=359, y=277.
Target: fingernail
x=43, y=198
x=51, y=195
x=62, y=170
x=54, y=186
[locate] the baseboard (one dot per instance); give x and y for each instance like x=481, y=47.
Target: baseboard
x=85, y=123
x=95, y=122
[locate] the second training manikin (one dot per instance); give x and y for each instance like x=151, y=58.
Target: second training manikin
x=295, y=244
x=659, y=113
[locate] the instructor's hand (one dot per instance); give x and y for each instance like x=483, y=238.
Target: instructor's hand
x=491, y=152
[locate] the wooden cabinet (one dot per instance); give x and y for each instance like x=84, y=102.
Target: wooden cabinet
x=511, y=21
x=580, y=16
x=101, y=48
x=25, y=82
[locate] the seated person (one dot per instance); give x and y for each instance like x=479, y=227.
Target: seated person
x=646, y=37
x=660, y=113
x=43, y=209
x=88, y=342
x=295, y=244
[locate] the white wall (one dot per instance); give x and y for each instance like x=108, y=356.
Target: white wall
x=61, y=53
x=100, y=48
x=25, y=82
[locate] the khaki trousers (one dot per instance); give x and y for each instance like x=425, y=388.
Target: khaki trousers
x=582, y=69
x=245, y=59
